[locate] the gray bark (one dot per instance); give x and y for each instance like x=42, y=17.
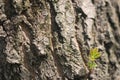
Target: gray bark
x=51, y=39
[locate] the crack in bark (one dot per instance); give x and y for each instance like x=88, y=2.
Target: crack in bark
x=78, y=40
x=53, y=25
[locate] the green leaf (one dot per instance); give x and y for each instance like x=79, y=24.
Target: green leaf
x=92, y=64
x=94, y=54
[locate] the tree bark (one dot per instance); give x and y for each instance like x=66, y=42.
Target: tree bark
x=51, y=39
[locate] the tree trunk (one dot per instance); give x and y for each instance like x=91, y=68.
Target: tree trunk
x=51, y=39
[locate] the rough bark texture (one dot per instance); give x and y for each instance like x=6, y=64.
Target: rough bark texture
x=51, y=39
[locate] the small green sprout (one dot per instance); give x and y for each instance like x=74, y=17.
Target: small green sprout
x=93, y=55
x=92, y=64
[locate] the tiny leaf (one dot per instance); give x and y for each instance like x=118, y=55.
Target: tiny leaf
x=92, y=64
x=94, y=54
